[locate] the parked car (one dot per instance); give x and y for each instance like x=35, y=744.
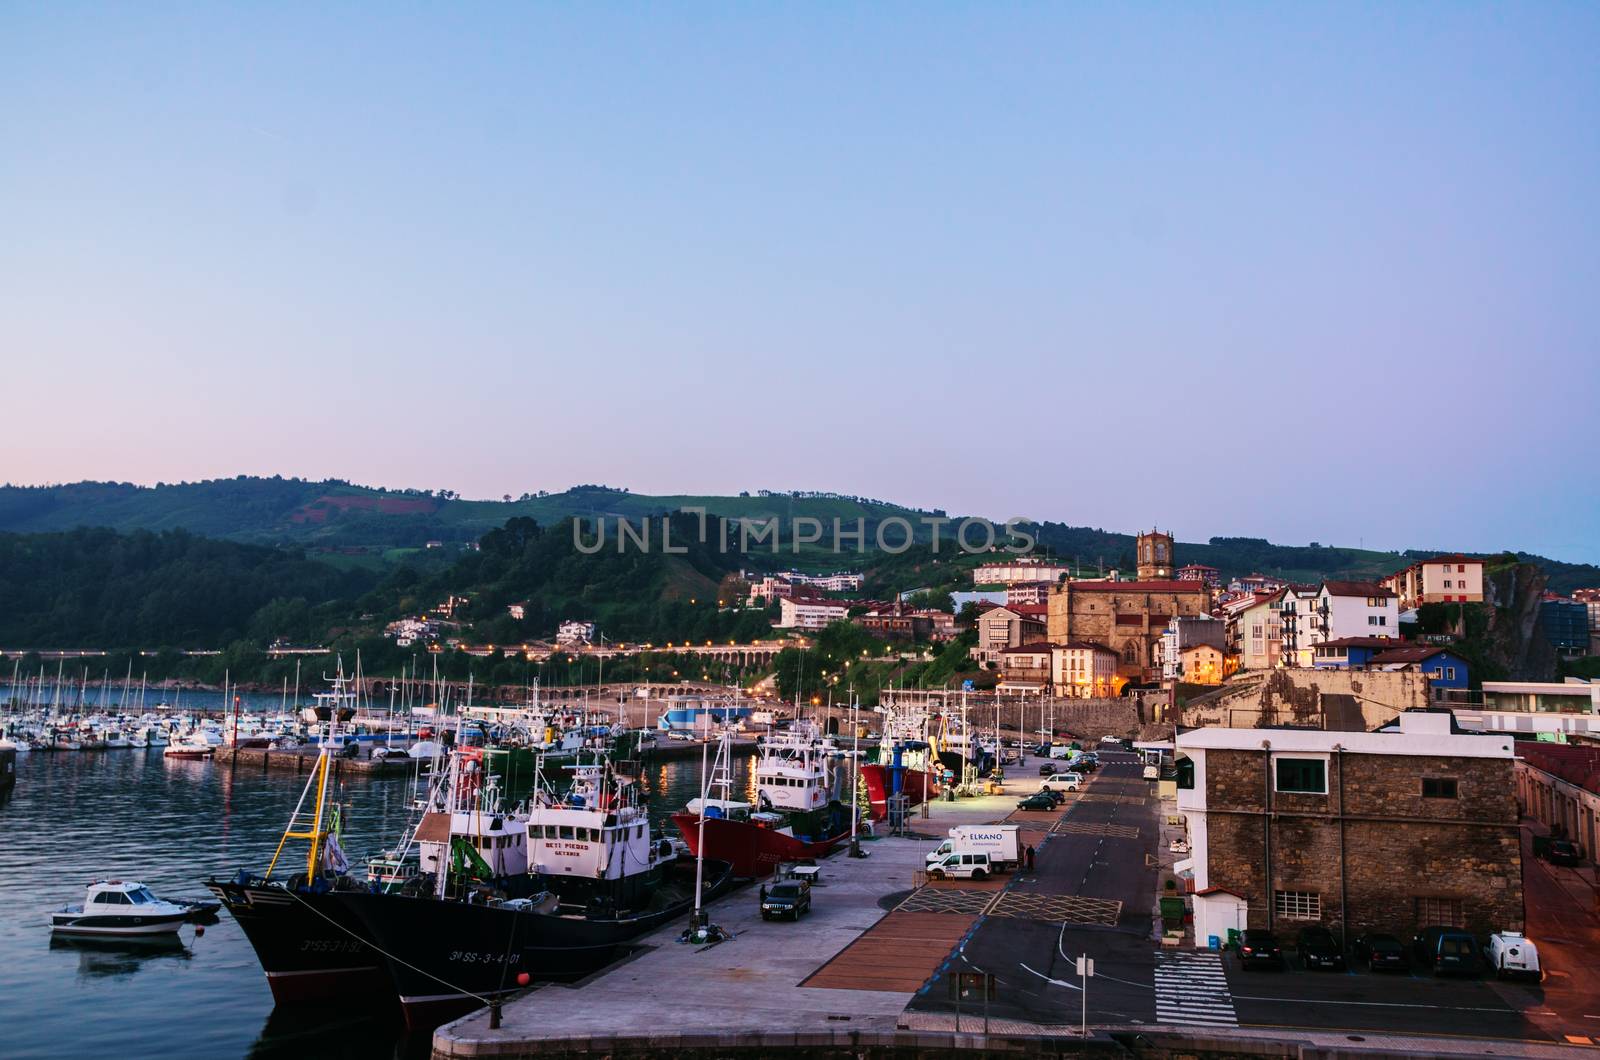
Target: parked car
x=1048, y=769
x=790, y=898
x=680, y=736
x=1037, y=801
x=1068, y=781
x=1111, y=741
x=1563, y=852
x=1055, y=797
x=1382, y=953
x=1040, y=749
x=1260, y=949
x=1319, y=949
x=1512, y=955
x=961, y=866
x=1446, y=951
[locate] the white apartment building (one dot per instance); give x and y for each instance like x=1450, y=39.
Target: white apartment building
x=1335, y=609
x=810, y=613
x=1255, y=630
x=1025, y=569
x=571, y=632
x=1453, y=579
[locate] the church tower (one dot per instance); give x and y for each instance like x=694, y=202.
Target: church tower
x=1155, y=556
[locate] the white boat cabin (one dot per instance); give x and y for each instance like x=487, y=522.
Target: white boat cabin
x=501, y=841
x=792, y=772
x=597, y=830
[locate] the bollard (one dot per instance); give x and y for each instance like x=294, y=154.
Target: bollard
x=494, y=1015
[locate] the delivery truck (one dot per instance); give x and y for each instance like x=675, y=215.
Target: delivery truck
x=999, y=841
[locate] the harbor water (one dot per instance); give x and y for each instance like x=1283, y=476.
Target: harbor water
x=133, y=814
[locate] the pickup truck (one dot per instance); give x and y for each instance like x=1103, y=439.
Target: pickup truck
x=790, y=898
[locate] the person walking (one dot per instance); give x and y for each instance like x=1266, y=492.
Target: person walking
x=1029, y=855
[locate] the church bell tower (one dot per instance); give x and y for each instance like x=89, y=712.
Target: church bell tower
x=1155, y=556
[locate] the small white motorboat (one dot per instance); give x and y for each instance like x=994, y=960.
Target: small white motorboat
x=191, y=746
x=119, y=907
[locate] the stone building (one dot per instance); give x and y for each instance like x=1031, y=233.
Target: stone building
x=1127, y=617
x=1153, y=553
x=1396, y=830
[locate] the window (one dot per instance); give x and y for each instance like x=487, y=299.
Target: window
x=1447, y=584
x=566, y=831
x=1307, y=776
x=1437, y=912
x=1461, y=568
x=1438, y=787
x=1449, y=673
x=1297, y=905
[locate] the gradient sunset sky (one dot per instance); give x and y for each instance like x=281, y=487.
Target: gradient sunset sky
x=1294, y=271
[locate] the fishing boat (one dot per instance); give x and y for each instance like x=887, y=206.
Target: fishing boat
x=119, y=907
x=906, y=766
x=310, y=949
x=796, y=814
x=504, y=899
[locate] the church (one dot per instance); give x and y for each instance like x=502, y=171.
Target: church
x=1128, y=616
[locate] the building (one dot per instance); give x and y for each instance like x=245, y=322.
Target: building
x=941, y=624
x=1395, y=830
x=894, y=624
x=1127, y=617
x=1026, y=668
x=1333, y=610
x=1257, y=583
x=1201, y=664
x=1349, y=653
x=1081, y=669
x=769, y=588
x=1021, y=569
x=1590, y=598
x=1000, y=628
x=1255, y=629
x=1558, y=785
x=1210, y=577
x=1453, y=579
x=575, y=633
x=517, y=611
x=1446, y=670
x=810, y=612
x=1565, y=623
x=1183, y=633
x=1154, y=556
x=1028, y=592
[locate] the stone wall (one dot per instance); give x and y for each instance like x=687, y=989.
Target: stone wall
x=1397, y=846
x=1342, y=700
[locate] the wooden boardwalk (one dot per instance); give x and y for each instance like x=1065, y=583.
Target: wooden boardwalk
x=899, y=952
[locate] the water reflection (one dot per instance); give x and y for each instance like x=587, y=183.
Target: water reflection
x=124, y=956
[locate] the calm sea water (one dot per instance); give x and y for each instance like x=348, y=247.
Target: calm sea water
x=134, y=814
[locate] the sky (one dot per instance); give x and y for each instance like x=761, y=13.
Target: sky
x=1295, y=271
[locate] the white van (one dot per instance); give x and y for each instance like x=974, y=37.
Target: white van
x=961, y=867
x=1064, y=781
x=1512, y=954
x=998, y=841
x=1060, y=750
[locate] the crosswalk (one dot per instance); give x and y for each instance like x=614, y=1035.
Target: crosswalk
x=1191, y=988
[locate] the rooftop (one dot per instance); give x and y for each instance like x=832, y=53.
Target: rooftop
x=1420, y=733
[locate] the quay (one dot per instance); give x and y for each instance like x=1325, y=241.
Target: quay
x=878, y=934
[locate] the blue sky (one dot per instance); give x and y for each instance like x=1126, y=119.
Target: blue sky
x=1295, y=271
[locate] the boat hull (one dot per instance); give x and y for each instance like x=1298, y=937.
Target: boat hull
x=917, y=786
x=311, y=951
x=116, y=926
x=447, y=957
x=752, y=850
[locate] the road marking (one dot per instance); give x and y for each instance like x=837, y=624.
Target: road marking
x=1370, y=1004
x=1191, y=988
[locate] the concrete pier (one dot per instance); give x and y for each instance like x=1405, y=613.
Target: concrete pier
x=847, y=969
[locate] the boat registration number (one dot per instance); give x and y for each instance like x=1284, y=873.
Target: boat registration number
x=330, y=946
x=470, y=957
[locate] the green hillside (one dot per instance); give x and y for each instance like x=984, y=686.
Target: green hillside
x=358, y=526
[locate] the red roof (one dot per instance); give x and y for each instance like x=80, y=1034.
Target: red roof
x=1021, y=610
x=1085, y=645
x=1173, y=586
x=1356, y=589
x=1574, y=763
x=1036, y=648
x=1380, y=643
x=1409, y=653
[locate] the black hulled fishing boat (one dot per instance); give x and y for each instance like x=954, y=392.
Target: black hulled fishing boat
x=552, y=893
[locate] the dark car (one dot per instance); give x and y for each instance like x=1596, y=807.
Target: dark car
x=1319, y=949
x=1056, y=798
x=1446, y=951
x=1382, y=953
x=1040, y=749
x=1037, y=801
x=1260, y=949
x=1563, y=852
x=791, y=898
x=1048, y=768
